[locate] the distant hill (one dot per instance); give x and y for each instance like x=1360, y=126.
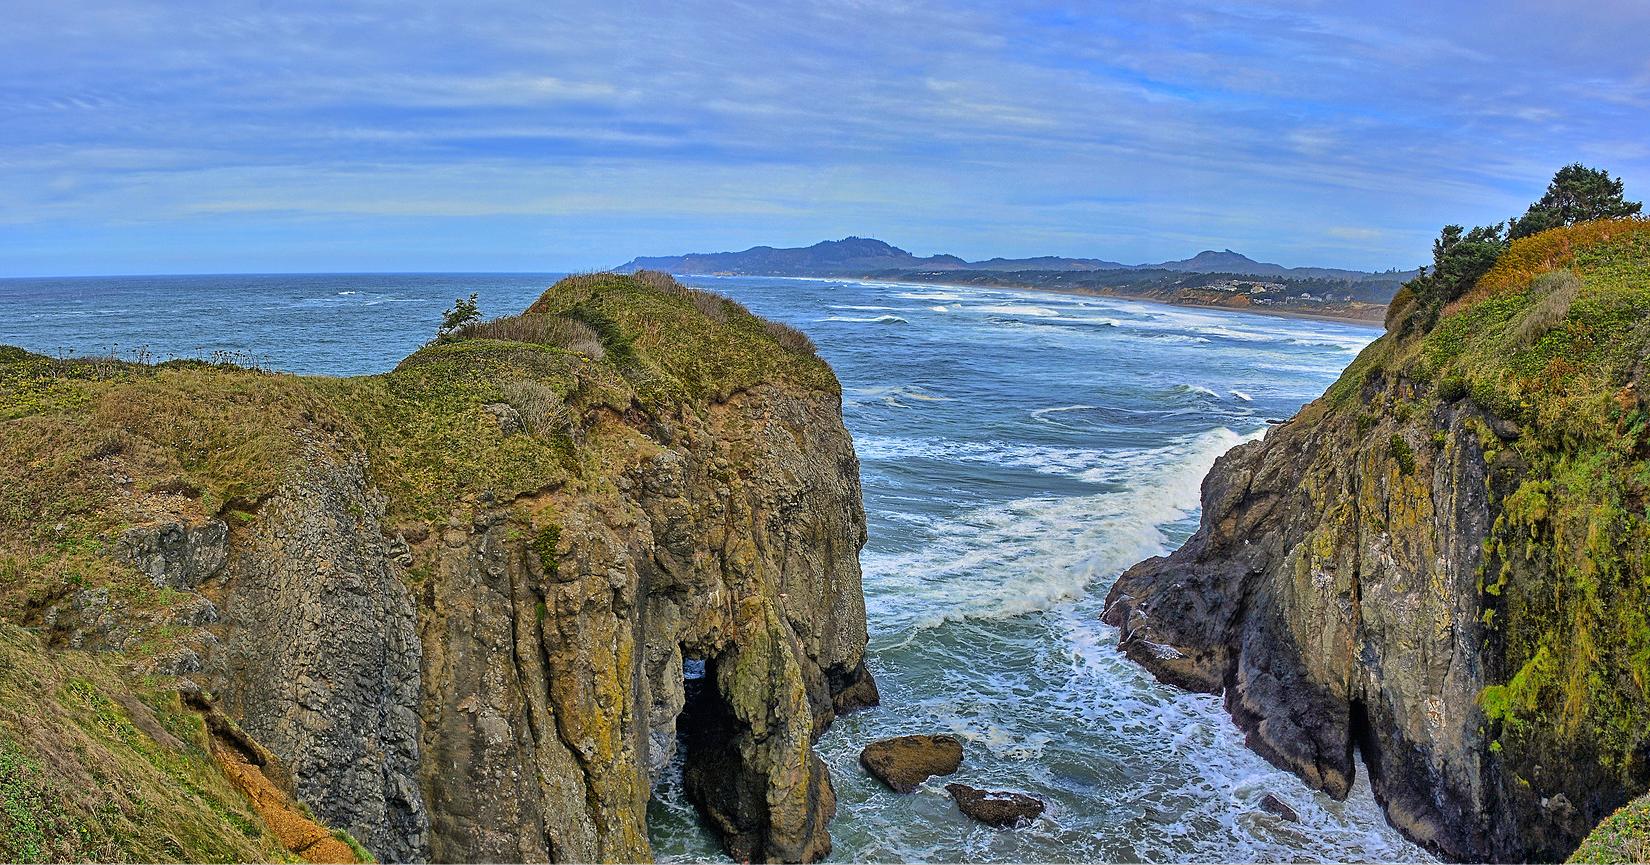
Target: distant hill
x=862, y=256
x=1227, y=261
x=850, y=255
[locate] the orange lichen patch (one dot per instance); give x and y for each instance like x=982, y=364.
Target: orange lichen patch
x=1529, y=257
x=296, y=832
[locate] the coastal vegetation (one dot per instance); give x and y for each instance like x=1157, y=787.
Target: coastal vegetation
x=208, y=576
x=1450, y=551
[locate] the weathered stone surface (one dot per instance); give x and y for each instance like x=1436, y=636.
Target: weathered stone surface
x=319, y=657
x=177, y=554
x=999, y=808
x=519, y=703
x=509, y=420
x=906, y=761
x=1332, y=594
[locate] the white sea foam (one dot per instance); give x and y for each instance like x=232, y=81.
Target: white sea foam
x=880, y=319
x=1016, y=309
x=1234, y=333
x=890, y=395
x=1197, y=388
x=1243, y=396
x=1343, y=342
x=1105, y=322
x=1032, y=553
x=927, y=295
x=1073, y=463
x=1182, y=338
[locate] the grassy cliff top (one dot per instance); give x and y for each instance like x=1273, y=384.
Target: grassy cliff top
x=1555, y=339
x=1548, y=337
x=90, y=446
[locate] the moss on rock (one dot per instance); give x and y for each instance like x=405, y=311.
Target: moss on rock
x=488, y=443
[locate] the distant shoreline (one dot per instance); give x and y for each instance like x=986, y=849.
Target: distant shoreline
x=1372, y=323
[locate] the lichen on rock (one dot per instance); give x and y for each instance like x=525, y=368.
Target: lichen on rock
x=1444, y=562
x=455, y=599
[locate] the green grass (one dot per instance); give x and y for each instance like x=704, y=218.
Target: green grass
x=1622, y=837
x=1555, y=338
x=96, y=767
x=362, y=854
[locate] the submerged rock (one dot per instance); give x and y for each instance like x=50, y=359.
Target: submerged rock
x=1273, y=805
x=906, y=761
x=999, y=808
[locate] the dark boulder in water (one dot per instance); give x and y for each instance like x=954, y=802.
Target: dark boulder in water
x=906, y=761
x=995, y=807
x=1273, y=805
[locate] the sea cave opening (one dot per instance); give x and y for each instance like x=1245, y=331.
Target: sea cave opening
x=1361, y=741
x=693, y=783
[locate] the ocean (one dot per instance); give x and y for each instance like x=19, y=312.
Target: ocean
x=1018, y=451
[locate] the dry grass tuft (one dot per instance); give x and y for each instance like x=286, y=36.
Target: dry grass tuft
x=791, y=339
x=657, y=279
x=1555, y=292
x=575, y=336
x=542, y=410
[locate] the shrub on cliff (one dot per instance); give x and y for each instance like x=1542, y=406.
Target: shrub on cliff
x=463, y=312
x=1461, y=257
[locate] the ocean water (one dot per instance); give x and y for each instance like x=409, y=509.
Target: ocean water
x=1018, y=451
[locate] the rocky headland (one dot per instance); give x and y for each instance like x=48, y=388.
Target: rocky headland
x=445, y=610
x=1444, y=562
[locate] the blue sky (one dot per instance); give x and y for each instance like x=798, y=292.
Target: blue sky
x=174, y=137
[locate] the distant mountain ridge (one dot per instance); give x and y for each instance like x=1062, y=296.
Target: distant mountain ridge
x=861, y=256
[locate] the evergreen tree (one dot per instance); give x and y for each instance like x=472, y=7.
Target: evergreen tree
x=1576, y=194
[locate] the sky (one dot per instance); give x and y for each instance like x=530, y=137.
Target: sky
x=555, y=135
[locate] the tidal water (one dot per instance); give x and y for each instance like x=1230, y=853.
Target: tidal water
x=1018, y=451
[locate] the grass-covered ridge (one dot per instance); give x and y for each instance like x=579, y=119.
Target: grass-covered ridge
x=90, y=448
x=1555, y=339
x=96, y=768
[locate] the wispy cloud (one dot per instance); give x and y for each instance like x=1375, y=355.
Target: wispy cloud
x=579, y=133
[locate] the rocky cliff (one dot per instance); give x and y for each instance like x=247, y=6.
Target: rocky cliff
x=1444, y=562
x=454, y=601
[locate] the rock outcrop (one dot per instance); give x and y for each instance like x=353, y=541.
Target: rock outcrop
x=1271, y=804
x=1000, y=808
x=904, y=762
x=1443, y=563
x=455, y=601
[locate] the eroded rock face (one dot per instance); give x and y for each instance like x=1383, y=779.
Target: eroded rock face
x=1332, y=593
x=176, y=554
x=555, y=632
x=1271, y=804
x=319, y=656
x=514, y=696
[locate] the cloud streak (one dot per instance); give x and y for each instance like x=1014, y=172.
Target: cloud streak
x=578, y=134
